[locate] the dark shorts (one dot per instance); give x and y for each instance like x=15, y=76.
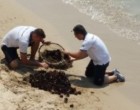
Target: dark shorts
x=10, y=53
x=97, y=72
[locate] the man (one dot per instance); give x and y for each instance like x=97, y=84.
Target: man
x=22, y=37
x=95, y=48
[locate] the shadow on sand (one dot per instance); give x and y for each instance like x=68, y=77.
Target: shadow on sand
x=84, y=82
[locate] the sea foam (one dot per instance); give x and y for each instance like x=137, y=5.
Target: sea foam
x=122, y=16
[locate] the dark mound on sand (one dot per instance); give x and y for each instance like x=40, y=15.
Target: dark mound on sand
x=57, y=59
x=54, y=81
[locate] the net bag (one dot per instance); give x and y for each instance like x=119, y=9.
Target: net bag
x=53, y=54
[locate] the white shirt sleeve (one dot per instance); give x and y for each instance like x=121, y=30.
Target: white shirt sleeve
x=23, y=47
x=86, y=46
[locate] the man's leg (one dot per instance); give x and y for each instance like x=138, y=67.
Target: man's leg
x=116, y=76
x=100, y=76
x=109, y=73
x=110, y=79
x=11, y=56
x=90, y=70
x=99, y=73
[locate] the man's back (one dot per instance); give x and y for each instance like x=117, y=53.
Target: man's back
x=96, y=49
x=17, y=35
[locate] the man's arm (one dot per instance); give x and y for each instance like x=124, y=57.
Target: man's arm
x=25, y=61
x=34, y=49
x=78, y=55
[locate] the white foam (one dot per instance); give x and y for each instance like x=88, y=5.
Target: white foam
x=113, y=13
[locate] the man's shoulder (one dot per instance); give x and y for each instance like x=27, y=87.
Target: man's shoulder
x=90, y=38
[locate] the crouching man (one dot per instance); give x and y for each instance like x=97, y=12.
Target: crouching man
x=95, y=48
x=22, y=37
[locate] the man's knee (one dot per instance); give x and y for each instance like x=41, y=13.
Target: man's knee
x=14, y=64
x=3, y=48
x=88, y=73
x=89, y=70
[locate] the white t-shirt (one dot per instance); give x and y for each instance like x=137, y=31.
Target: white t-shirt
x=18, y=37
x=96, y=49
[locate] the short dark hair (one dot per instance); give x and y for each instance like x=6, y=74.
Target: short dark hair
x=79, y=29
x=39, y=32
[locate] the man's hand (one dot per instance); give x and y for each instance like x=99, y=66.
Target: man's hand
x=66, y=52
x=77, y=55
x=44, y=65
x=72, y=59
x=25, y=61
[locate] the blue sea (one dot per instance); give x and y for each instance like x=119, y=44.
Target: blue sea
x=121, y=16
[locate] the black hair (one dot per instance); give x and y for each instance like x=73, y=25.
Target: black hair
x=79, y=29
x=40, y=32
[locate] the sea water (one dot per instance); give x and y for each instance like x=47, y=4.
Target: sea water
x=122, y=16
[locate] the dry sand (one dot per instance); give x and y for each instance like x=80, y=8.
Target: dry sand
x=58, y=19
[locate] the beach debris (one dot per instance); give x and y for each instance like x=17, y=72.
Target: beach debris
x=65, y=100
x=71, y=106
x=56, y=59
x=61, y=96
x=79, y=92
x=92, y=92
x=54, y=81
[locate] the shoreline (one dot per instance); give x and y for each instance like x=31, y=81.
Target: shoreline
x=58, y=28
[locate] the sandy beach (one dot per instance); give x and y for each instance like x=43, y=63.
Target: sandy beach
x=58, y=19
